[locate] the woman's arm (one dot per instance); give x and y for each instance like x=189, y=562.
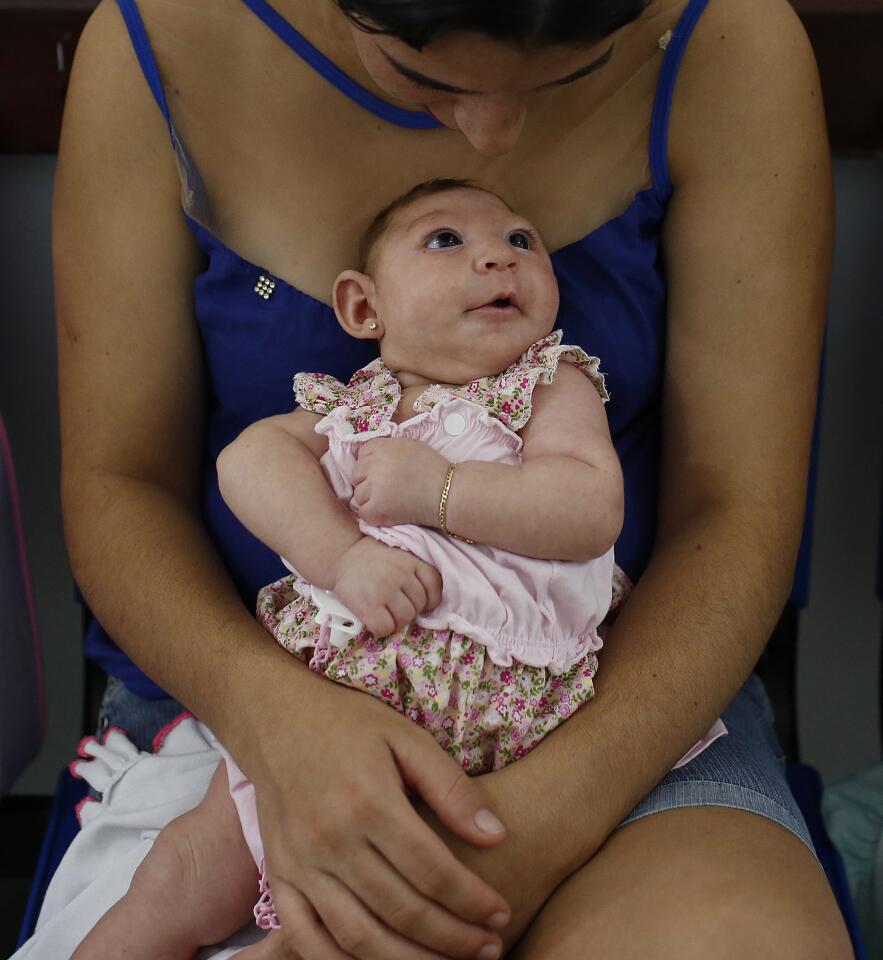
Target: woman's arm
x=563, y=502
x=131, y=384
x=748, y=248
x=131, y=394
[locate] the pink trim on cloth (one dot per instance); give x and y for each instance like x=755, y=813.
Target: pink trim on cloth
x=6, y=449
x=79, y=807
x=265, y=910
x=717, y=730
x=91, y=738
x=160, y=738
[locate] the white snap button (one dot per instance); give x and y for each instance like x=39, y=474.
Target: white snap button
x=455, y=424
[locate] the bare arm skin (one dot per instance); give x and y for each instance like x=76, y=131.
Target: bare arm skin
x=131, y=381
x=131, y=388
x=271, y=479
x=563, y=502
x=748, y=248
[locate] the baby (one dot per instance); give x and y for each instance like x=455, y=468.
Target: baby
x=398, y=500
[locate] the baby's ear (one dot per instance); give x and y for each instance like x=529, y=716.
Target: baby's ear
x=352, y=298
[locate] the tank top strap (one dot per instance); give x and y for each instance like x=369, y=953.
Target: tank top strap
x=415, y=119
x=675, y=45
x=141, y=44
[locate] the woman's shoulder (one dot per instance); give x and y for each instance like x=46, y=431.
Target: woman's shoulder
x=749, y=62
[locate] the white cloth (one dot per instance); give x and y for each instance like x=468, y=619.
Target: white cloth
x=142, y=792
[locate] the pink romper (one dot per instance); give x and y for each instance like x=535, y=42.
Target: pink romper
x=510, y=652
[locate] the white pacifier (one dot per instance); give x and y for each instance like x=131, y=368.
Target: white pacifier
x=344, y=624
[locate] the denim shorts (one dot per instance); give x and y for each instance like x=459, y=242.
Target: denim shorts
x=744, y=770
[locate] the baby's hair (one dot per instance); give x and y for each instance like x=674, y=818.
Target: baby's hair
x=380, y=224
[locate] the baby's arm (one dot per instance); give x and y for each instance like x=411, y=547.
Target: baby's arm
x=271, y=479
x=565, y=501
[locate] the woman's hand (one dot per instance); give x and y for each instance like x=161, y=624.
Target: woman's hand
x=397, y=480
x=353, y=869
x=385, y=587
x=524, y=869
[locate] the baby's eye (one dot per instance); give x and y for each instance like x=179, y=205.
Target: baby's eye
x=519, y=238
x=444, y=238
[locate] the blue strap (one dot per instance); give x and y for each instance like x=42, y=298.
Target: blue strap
x=674, y=54
x=138, y=36
x=416, y=119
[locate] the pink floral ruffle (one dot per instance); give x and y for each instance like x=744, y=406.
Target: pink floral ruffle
x=371, y=396
x=483, y=714
x=508, y=395
x=373, y=392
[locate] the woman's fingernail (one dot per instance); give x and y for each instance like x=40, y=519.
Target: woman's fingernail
x=487, y=822
x=490, y=951
x=498, y=920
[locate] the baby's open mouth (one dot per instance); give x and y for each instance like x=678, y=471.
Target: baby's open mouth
x=503, y=301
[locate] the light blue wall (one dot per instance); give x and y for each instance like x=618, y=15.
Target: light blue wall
x=840, y=632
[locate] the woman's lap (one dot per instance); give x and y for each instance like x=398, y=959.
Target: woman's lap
x=744, y=770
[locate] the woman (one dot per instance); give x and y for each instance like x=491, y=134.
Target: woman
x=617, y=129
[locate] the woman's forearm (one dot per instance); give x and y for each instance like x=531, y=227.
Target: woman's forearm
x=153, y=578
x=552, y=508
x=678, y=653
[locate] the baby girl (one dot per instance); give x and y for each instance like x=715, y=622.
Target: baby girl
x=397, y=498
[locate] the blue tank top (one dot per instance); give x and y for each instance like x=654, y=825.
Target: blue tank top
x=613, y=304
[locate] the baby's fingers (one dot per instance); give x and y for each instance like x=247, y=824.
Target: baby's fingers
x=432, y=583
x=378, y=621
x=416, y=594
x=401, y=609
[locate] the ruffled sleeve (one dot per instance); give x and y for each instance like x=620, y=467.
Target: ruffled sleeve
x=546, y=354
x=369, y=399
x=508, y=395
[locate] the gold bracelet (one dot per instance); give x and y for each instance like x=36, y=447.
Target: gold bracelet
x=443, y=506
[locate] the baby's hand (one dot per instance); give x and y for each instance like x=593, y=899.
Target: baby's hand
x=385, y=587
x=397, y=480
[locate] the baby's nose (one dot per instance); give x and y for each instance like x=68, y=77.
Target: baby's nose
x=500, y=257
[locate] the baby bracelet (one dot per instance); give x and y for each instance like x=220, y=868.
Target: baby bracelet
x=443, y=506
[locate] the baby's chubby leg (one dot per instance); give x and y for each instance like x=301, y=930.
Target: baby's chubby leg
x=197, y=886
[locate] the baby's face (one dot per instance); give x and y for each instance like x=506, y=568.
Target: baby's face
x=463, y=287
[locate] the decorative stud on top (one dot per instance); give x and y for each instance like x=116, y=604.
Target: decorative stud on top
x=264, y=287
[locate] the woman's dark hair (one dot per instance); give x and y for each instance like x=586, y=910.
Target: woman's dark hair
x=529, y=24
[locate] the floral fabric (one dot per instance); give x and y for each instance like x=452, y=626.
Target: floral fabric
x=373, y=392
x=483, y=714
